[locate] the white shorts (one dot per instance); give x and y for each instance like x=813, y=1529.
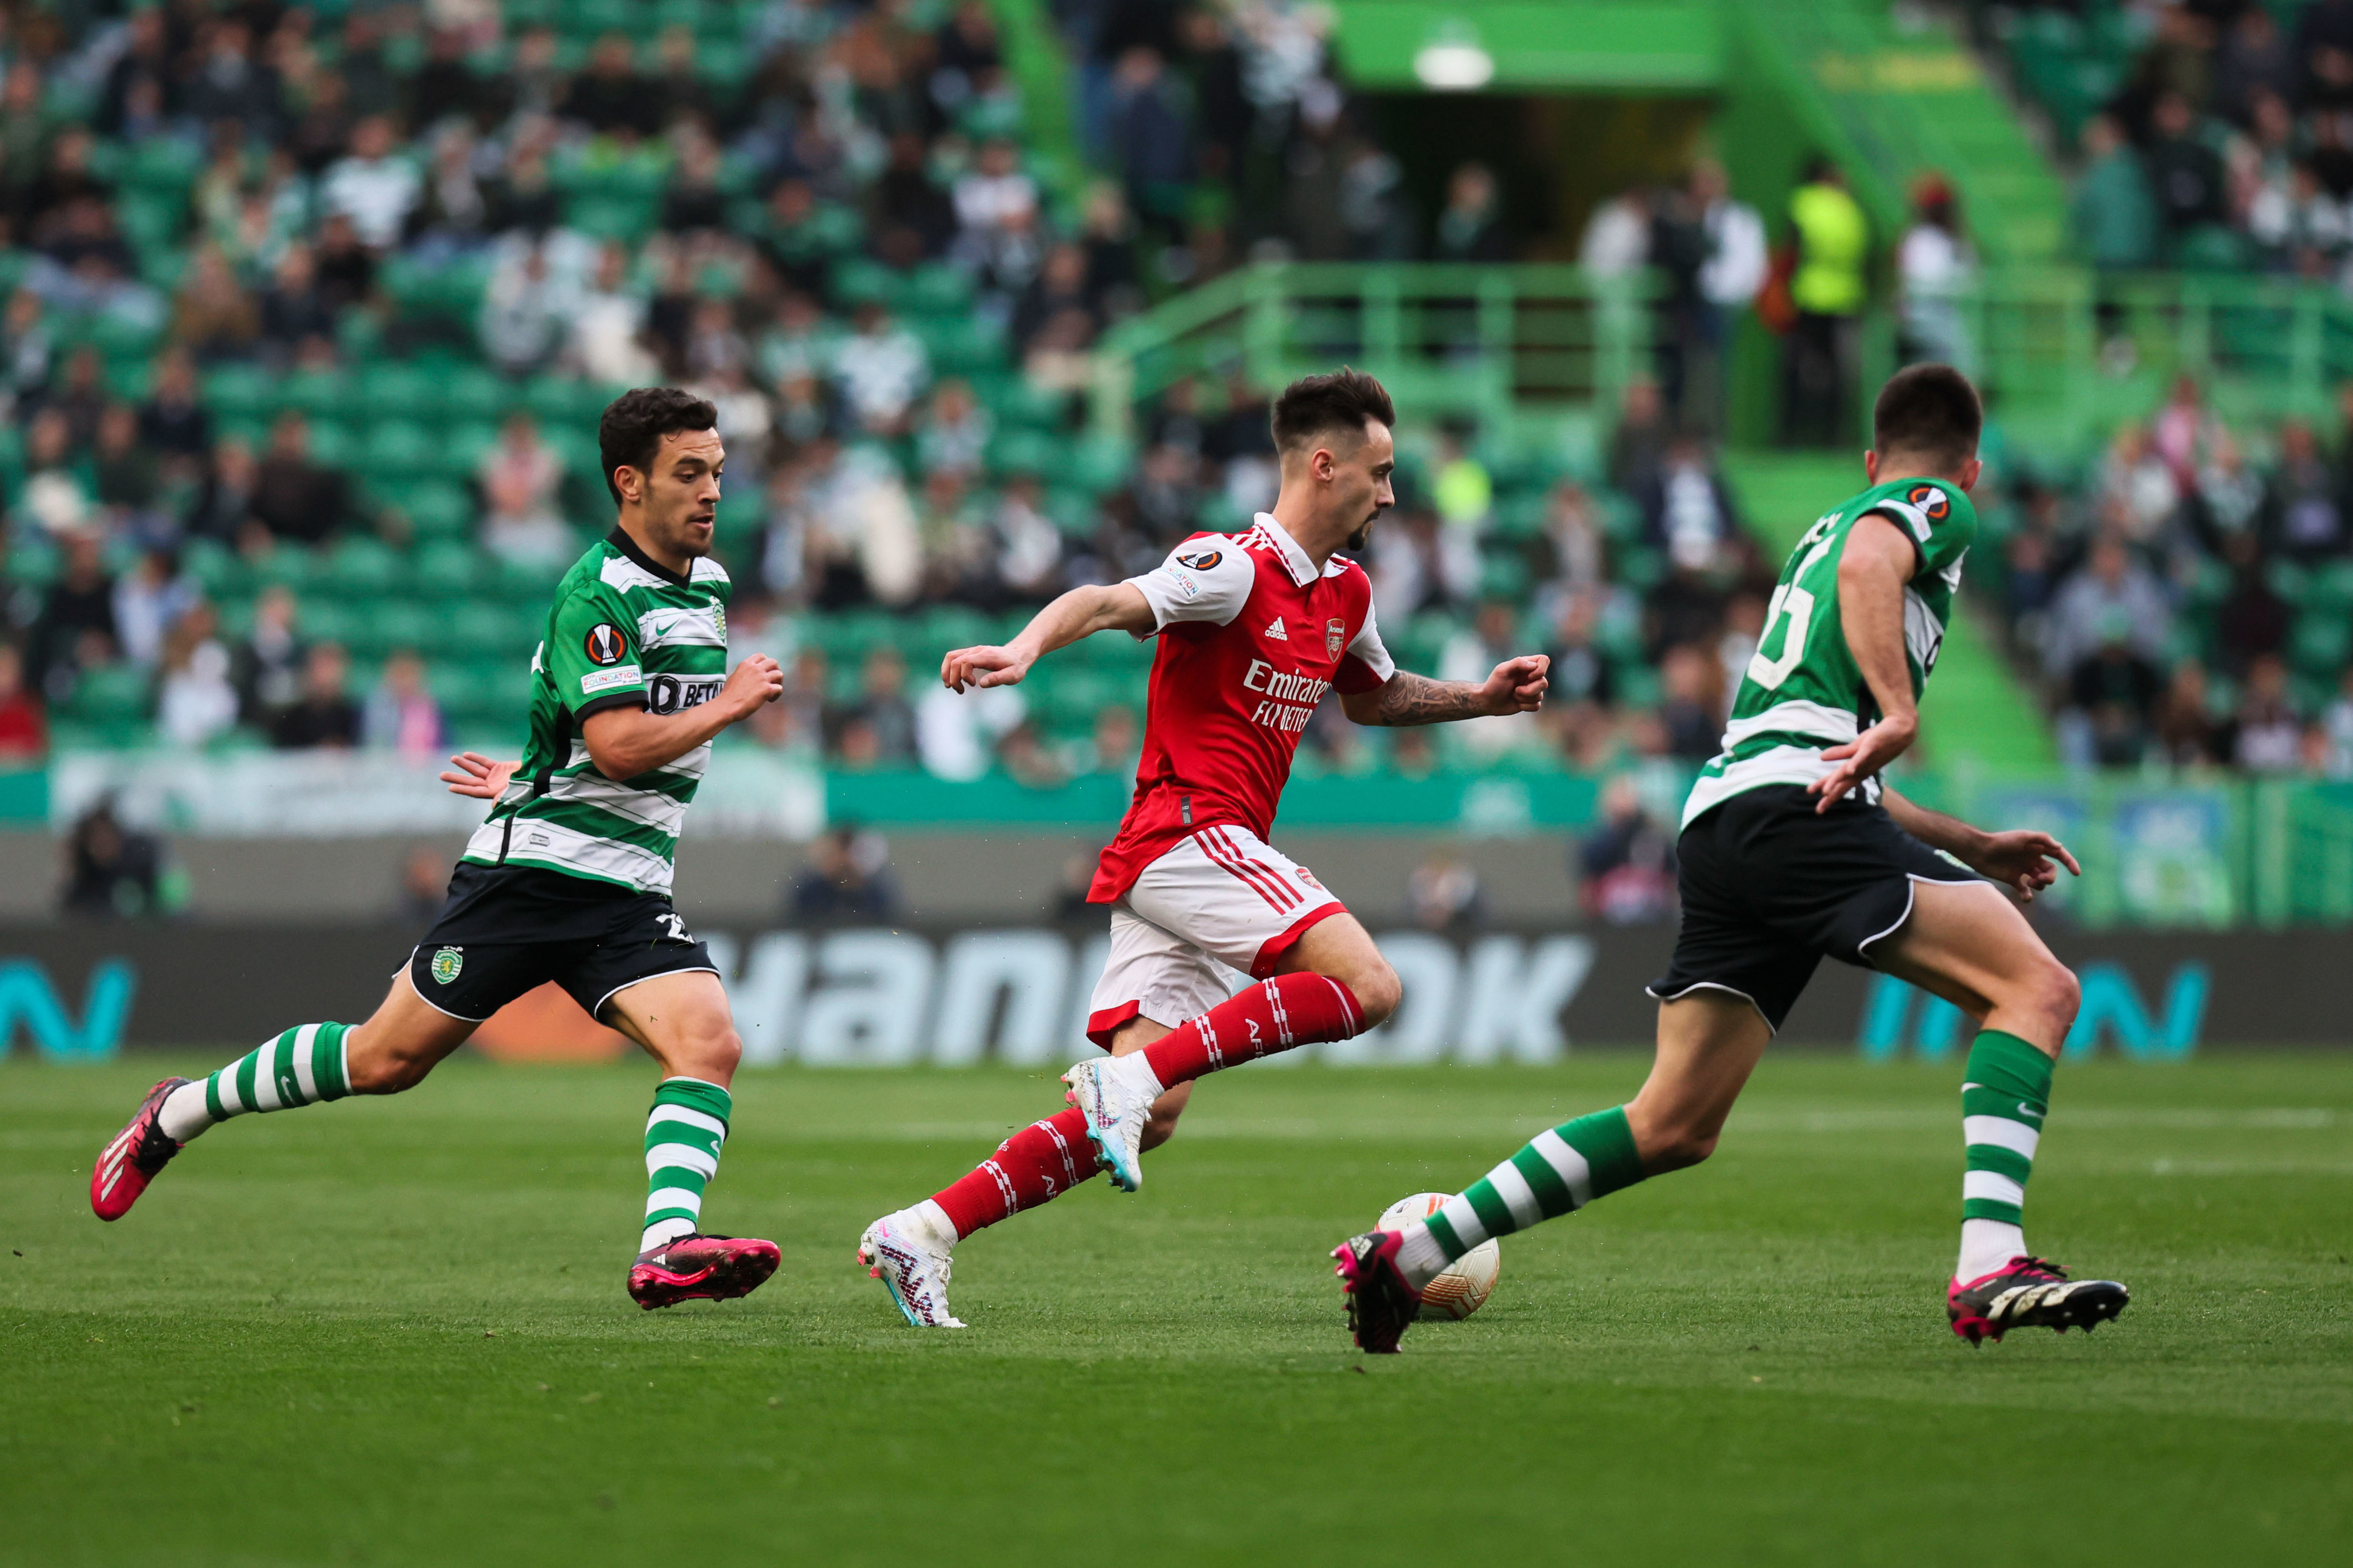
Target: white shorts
x=1218, y=901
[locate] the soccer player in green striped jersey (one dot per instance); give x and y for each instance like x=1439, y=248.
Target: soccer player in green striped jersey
x=1793, y=847
x=569, y=880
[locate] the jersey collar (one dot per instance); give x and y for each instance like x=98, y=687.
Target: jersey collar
x=620, y=540
x=1295, y=561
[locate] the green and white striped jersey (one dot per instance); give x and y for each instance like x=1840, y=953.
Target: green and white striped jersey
x=1803, y=692
x=623, y=633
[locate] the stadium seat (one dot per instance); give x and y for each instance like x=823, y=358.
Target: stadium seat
x=397, y=449
x=240, y=392
x=393, y=390
x=362, y=567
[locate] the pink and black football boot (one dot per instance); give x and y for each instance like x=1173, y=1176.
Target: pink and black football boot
x=701, y=1268
x=1380, y=1303
x=131, y=1160
x=2031, y=1293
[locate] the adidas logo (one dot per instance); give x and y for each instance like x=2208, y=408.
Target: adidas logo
x=1276, y=632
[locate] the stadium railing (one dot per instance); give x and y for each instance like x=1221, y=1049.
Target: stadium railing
x=1509, y=344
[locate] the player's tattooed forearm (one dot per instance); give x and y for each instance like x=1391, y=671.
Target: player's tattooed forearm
x=1418, y=700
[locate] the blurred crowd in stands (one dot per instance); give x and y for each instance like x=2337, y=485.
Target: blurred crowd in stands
x=2187, y=599
x=2212, y=134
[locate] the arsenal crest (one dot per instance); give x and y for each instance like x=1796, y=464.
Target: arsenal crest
x=1335, y=637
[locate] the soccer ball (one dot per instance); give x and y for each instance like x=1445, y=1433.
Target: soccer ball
x=1464, y=1287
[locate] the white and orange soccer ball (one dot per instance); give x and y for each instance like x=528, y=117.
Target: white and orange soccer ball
x=1464, y=1287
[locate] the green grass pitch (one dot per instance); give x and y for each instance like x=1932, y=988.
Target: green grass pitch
x=393, y=1332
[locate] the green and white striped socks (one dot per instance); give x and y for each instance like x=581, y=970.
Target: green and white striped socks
x=684, y=1132
x=1561, y=1170
x=301, y=1066
x=2002, y=1106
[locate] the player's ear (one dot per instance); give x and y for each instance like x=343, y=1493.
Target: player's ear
x=1871, y=466
x=1969, y=472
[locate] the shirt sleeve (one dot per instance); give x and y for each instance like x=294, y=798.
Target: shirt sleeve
x=1366, y=665
x=1939, y=519
x=1204, y=579
x=592, y=655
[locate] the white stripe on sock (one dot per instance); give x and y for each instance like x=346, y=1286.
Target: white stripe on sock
x=664, y=1232
x=1517, y=1195
x=306, y=1040
x=1464, y=1220
x=673, y=1198
x=1568, y=1164
x=2000, y=1133
x=1992, y=1185
x=226, y=1080
x=686, y=1117
x=683, y=1157
x=265, y=1076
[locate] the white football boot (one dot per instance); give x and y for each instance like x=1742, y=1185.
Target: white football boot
x=1115, y=1094
x=908, y=1251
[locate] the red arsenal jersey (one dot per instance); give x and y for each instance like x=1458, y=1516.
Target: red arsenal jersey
x=1252, y=633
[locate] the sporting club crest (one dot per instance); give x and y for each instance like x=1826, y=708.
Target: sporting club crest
x=605, y=644
x=447, y=963
x=1201, y=560
x=1335, y=637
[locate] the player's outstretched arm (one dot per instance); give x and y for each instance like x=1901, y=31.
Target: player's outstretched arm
x=1517, y=685
x=2023, y=860
x=1081, y=613
x=626, y=742
x=1876, y=564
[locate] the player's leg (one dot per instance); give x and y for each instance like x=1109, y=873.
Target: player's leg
x=306, y=1065
x=681, y=1018
x=1970, y=944
x=1149, y=972
x=1320, y=978
x=1709, y=1042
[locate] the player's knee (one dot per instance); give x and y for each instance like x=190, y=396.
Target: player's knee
x=2056, y=994
x=713, y=1051
x=1377, y=992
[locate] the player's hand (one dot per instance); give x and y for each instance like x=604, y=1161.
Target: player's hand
x=2023, y=861
x=1863, y=757
x=475, y=774
x=967, y=667
x=1517, y=685
x=753, y=684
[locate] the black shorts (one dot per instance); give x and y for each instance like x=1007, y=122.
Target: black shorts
x=1770, y=886
x=507, y=930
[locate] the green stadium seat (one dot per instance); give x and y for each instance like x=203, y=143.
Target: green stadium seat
x=328, y=619
x=437, y=511
x=2289, y=581
x=392, y=390
x=397, y=449
x=937, y=289
x=447, y=569
x=488, y=626
x=858, y=280
x=2320, y=644
x=1101, y=464
x=473, y=393
x=318, y=394
x=362, y=567
x=398, y=626
x=332, y=445
x=112, y=693
x=960, y=344
x=1020, y=451
x=240, y=392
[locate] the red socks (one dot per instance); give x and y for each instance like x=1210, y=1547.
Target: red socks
x=1043, y=1160
x=1273, y=1016
x=1049, y=1158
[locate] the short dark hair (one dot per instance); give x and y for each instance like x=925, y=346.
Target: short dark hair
x=630, y=433
x=1343, y=400
x=1929, y=411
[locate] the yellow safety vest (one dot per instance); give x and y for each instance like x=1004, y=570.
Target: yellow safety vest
x=1832, y=239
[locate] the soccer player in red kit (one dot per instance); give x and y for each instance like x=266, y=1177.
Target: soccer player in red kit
x=1254, y=629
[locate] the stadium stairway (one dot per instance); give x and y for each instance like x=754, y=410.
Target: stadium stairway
x=1979, y=712
x=1891, y=102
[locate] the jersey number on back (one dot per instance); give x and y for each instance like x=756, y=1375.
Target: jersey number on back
x=1769, y=673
